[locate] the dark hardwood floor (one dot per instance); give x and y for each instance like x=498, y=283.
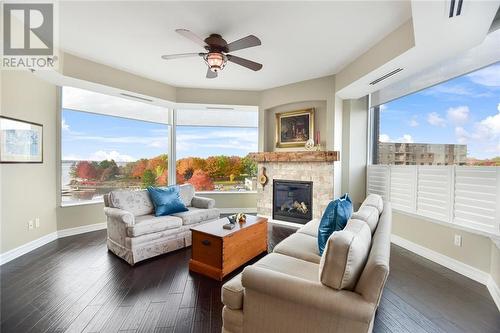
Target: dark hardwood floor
x=75, y=285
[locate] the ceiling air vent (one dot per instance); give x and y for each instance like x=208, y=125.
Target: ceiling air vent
x=218, y=108
x=383, y=77
x=137, y=97
x=458, y=8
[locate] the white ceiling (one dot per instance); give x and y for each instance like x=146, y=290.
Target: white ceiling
x=300, y=40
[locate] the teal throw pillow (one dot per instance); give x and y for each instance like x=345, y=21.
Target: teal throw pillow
x=166, y=200
x=335, y=218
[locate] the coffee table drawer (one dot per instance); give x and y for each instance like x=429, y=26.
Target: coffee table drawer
x=207, y=249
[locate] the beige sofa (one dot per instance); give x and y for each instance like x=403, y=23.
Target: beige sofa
x=294, y=289
x=135, y=233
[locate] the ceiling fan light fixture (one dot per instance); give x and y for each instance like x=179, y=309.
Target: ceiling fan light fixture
x=216, y=61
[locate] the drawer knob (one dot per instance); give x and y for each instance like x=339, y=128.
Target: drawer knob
x=205, y=242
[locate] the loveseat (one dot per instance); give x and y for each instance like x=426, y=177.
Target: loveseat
x=135, y=233
x=294, y=289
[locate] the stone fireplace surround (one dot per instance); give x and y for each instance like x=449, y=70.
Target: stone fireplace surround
x=314, y=166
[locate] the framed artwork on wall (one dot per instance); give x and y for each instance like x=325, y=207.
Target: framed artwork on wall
x=20, y=141
x=294, y=128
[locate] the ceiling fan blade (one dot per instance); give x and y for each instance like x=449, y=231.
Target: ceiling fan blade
x=181, y=55
x=255, y=66
x=243, y=43
x=192, y=36
x=210, y=74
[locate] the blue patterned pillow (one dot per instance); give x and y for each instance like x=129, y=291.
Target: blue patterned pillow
x=166, y=200
x=335, y=217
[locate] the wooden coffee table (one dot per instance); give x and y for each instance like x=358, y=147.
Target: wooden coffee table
x=217, y=252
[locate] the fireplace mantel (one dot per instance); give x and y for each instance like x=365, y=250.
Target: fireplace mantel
x=295, y=156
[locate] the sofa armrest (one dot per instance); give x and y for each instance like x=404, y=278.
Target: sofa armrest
x=119, y=215
x=201, y=202
x=342, y=303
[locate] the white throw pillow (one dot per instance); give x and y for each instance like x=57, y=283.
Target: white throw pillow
x=369, y=214
x=345, y=255
x=374, y=200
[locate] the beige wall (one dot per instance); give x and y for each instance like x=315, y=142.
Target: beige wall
x=475, y=250
x=86, y=70
x=354, y=146
x=81, y=215
x=270, y=122
x=301, y=93
x=233, y=200
x=28, y=190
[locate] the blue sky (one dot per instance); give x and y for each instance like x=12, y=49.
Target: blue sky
x=88, y=136
x=464, y=110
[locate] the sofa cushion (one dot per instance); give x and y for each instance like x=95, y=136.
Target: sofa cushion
x=335, y=218
x=374, y=200
x=345, y=256
x=310, y=228
x=369, y=214
x=148, y=224
x=289, y=265
x=300, y=246
x=195, y=215
x=136, y=202
x=186, y=191
x=232, y=320
x=232, y=293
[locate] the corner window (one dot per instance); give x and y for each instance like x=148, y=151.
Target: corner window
x=101, y=151
x=212, y=149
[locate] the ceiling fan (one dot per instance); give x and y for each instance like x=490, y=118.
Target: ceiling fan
x=218, y=49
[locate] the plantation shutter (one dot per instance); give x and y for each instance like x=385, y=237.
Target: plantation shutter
x=434, y=198
x=403, y=191
x=477, y=197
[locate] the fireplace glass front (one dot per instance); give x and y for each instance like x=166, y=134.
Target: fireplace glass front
x=292, y=201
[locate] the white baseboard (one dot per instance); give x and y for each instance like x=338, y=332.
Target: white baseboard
x=28, y=247
x=33, y=245
x=237, y=210
x=494, y=291
x=453, y=264
x=81, y=230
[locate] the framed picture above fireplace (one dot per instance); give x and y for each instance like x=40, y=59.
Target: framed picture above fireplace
x=294, y=128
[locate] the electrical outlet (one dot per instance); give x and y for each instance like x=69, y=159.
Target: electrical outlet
x=37, y=222
x=30, y=224
x=458, y=240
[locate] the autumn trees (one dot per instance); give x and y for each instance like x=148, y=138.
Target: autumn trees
x=201, y=172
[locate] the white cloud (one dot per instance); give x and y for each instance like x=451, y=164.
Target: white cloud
x=406, y=138
x=64, y=125
x=413, y=122
x=498, y=107
x=384, y=138
x=489, y=76
x=462, y=135
x=100, y=155
x=458, y=115
x=435, y=119
x=486, y=132
x=490, y=126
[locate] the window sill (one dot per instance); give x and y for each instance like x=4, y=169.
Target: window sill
x=225, y=192
x=100, y=201
x=84, y=203
x=493, y=236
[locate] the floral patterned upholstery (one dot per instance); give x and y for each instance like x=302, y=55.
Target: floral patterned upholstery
x=135, y=234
